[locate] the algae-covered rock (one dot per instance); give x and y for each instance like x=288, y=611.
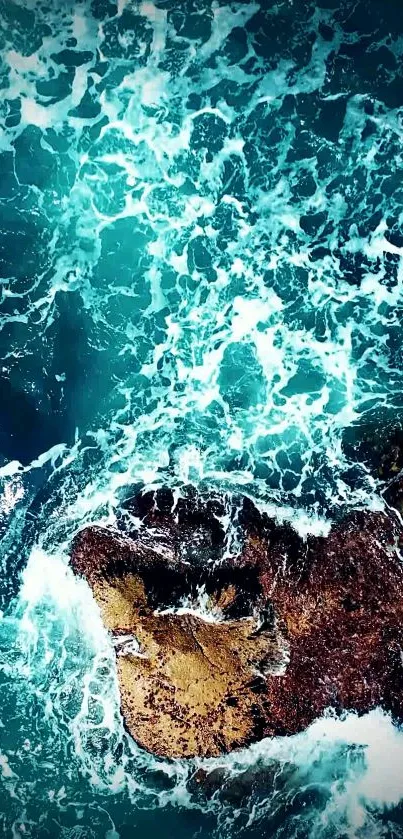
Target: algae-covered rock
x=188, y=686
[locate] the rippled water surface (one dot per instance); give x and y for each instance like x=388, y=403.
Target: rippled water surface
x=201, y=231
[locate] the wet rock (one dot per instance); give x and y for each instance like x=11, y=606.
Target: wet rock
x=236, y=787
x=341, y=608
x=285, y=628
x=205, y=784
x=383, y=455
x=188, y=686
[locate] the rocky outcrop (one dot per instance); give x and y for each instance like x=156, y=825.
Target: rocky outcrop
x=188, y=685
x=291, y=627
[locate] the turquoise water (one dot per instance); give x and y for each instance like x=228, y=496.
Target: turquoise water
x=200, y=262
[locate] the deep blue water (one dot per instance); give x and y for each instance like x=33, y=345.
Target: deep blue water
x=201, y=240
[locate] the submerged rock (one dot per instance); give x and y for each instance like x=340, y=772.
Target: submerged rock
x=236, y=787
x=214, y=651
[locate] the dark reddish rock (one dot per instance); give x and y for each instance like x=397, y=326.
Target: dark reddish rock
x=341, y=607
x=306, y=625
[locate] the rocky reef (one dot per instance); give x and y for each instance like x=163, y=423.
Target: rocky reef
x=220, y=641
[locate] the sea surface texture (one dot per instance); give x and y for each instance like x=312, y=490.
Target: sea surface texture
x=201, y=239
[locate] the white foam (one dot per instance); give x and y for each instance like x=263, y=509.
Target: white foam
x=356, y=760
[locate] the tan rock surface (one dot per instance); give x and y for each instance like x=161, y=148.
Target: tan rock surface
x=188, y=688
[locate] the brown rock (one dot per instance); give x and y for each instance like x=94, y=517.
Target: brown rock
x=188, y=686
x=306, y=625
x=343, y=613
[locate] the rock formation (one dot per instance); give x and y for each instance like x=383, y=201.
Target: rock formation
x=291, y=627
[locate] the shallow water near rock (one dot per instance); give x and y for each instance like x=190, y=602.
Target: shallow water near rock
x=200, y=261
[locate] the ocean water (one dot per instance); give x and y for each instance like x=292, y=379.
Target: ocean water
x=201, y=239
